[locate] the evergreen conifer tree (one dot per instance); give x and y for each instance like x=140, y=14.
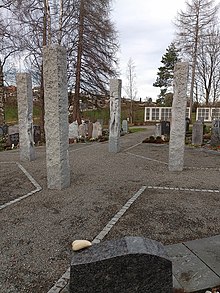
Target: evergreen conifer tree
x=165, y=73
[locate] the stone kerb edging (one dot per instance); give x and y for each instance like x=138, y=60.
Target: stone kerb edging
x=161, y=162
x=32, y=180
x=63, y=281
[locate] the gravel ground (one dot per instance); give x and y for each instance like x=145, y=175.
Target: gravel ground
x=36, y=233
x=12, y=188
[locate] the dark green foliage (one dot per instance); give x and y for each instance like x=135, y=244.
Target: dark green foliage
x=165, y=101
x=165, y=74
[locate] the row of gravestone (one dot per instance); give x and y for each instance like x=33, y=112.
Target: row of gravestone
x=11, y=134
x=90, y=130
x=163, y=128
x=86, y=129
x=198, y=131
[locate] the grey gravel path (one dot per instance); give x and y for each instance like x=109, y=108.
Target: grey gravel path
x=36, y=233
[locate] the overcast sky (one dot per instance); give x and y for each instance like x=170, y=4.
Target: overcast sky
x=145, y=30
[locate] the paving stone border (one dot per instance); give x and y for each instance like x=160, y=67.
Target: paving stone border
x=60, y=285
x=133, y=146
x=202, y=168
x=146, y=158
x=117, y=216
x=183, y=189
x=185, y=168
x=63, y=281
x=32, y=180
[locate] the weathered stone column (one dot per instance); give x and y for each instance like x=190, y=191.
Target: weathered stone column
x=25, y=116
x=115, y=115
x=177, y=133
x=56, y=117
x=2, y=101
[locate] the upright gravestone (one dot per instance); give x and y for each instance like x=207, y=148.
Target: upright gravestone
x=56, y=117
x=97, y=130
x=5, y=129
x=115, y=116
x=157, y=129
x=187, y=122
x=215, y=133
x=82, y=130
x=37, y=134
x=197, y=133
x=125, y=126
x=90, y=130
x=101, y=122
x=127, y=265
x=25, y=114
x=165, y=128
x=14, y=141
x=13, y=129
x=177, y=132
x=73, y=130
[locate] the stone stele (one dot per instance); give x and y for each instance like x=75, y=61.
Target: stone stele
x=127, y=265
x=25, y=116
x=197, y=133
x=115, y=115
x=56, y=117
x=177, y=132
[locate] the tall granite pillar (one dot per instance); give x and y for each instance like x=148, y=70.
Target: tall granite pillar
x=115, y=115
x=2, y=101
x=25, y=116
x=177, y=133
x=56, y=117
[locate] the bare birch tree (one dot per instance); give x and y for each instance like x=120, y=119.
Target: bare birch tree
x=130, y=87
x=9, y=45
x=192, y=25
x=83, y=27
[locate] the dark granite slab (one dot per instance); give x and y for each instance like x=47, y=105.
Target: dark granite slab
x=127, y=265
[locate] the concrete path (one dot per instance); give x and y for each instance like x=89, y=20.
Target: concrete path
x=196, y=264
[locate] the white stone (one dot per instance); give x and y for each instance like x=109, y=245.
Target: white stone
x=80, y=244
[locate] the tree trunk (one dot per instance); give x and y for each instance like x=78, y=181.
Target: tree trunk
x=194, y=67
x=60, y=23
x=76, y=108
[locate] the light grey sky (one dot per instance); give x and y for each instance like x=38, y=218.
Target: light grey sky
x=145, y=30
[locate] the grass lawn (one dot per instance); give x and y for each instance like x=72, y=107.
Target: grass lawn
x=11, y=114
x=136, y=129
